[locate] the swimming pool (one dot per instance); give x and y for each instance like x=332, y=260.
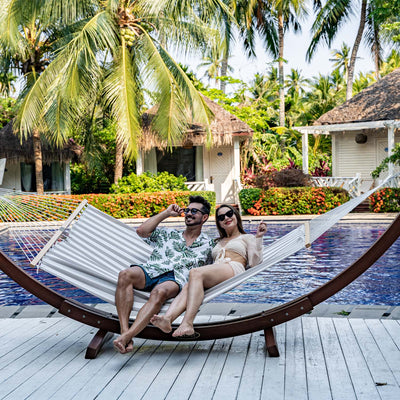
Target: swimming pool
x=291, y=278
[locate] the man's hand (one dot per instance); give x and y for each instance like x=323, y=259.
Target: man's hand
x=261, y=230
x=174, y=210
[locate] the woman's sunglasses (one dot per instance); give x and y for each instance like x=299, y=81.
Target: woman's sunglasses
x=228, y=214
x=192, y=211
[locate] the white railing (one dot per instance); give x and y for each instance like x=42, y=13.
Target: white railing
x=394, y=181
x=194, y=186
x=351, y=184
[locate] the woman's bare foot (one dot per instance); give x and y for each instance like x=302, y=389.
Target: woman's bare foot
x=162, y=322
x=123, y=344
x=184, y=329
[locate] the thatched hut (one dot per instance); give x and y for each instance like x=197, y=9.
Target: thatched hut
x=19, y=173
x=207, y=167
x=364, y=130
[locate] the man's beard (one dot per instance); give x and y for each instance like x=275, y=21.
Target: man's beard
x=192, y=222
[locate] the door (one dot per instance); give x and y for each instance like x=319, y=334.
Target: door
x=221, y=174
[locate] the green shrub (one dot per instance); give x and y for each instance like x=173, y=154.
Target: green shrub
x=148, y=182
x=385, y=200
x=290, y=201
x=248, y=197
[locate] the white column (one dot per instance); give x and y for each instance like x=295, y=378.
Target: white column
x=236, y=159
x=199, y=167
x=390, y=148
x=139, y=163
x=67, y=178
x=305, y=151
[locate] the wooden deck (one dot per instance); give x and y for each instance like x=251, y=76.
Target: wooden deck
x=321, y=358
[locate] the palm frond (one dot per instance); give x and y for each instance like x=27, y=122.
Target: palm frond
x=120, y=95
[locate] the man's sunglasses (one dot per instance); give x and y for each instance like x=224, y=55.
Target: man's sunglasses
x=192, y=211
x=228, y=214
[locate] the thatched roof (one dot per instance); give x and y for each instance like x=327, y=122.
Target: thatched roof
x=378, y=102
x=223, y=127
x=14, y=151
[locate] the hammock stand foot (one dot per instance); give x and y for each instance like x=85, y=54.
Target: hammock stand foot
x=270, y=342
x=97, y=342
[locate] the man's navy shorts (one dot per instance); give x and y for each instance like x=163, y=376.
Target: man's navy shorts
x=151, y=283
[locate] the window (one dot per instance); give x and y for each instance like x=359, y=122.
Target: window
x=181, y=161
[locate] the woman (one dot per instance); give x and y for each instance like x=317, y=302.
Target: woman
x=235, y=250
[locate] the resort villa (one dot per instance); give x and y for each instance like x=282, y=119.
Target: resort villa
x=17, y=168
x=364, y=132
x=214, y=166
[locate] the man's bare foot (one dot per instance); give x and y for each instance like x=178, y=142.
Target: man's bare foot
x=161, y=322
x=123, y=345
x=184, y=330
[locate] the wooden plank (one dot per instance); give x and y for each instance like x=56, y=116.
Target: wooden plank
x=43, y=376
x=44, y=339
x=8, y=325
x=186, y=380
x=339, y=377
x=252, y=377
x=209, y=376
x=144, y=378
x=76, y=384
x=273, y=385
x=387, y=346
x=171, y=369
x=317, y=375
x=231, y=374
x=18, y=371
x=113, y=365
x=377, y=364
x=393, y=328
x=295, y=373
x=18, y=335
x=361, y=379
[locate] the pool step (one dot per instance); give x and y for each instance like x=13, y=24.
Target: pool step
x=362, y=207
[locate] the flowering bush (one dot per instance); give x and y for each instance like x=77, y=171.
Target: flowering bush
x=137, y=205
x=290, y=201
x=385, y=200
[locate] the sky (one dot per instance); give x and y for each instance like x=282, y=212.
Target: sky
x=294, y=52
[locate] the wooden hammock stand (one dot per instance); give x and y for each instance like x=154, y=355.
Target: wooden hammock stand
x=264, y=321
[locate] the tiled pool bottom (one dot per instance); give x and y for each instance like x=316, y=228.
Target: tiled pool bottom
x=285, y=281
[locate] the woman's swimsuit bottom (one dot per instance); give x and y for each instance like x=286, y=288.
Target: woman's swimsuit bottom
x=237, y=267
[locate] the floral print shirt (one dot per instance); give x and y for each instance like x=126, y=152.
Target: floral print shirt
x=172, y=254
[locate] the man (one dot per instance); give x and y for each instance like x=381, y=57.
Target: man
x=167, y=270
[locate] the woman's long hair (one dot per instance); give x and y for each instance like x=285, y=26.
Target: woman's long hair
x=222, y=232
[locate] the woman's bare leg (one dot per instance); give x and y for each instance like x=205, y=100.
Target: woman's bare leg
x=199, y=279
x=177, y=307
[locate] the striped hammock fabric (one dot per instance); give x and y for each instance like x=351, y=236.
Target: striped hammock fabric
x=96, y=247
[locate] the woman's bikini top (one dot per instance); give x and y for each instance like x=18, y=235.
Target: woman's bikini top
x=247, y=246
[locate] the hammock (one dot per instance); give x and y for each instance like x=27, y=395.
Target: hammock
x=90, y=248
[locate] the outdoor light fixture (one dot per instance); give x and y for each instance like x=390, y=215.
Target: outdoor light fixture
x=361, y=138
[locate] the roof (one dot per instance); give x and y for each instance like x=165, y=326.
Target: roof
x=378, y=102
x=15, y=150
x=223, y=127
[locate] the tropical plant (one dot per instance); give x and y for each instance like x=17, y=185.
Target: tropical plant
x=332, y=16
x=114, y=51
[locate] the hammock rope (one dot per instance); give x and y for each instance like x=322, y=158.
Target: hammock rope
x=88, y=248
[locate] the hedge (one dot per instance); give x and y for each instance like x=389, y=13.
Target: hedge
x=385, y=200
x=290, y=201
x=141, y=205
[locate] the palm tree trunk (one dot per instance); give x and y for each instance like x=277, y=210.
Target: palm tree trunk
x=224, y=71
x=119, y=161
x=349, y=90
x=37, y=154
x=281, y=72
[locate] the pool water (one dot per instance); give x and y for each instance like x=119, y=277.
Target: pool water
x=297, y=275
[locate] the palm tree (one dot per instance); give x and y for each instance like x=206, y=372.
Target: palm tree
x=272, y=19
x=26, y=39
x=112, y=55
x=341, y=59
x=332, y=16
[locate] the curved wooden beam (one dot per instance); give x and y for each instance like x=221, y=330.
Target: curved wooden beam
x=215, y=330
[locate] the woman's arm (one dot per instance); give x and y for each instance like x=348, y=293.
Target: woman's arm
x=255, y=246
